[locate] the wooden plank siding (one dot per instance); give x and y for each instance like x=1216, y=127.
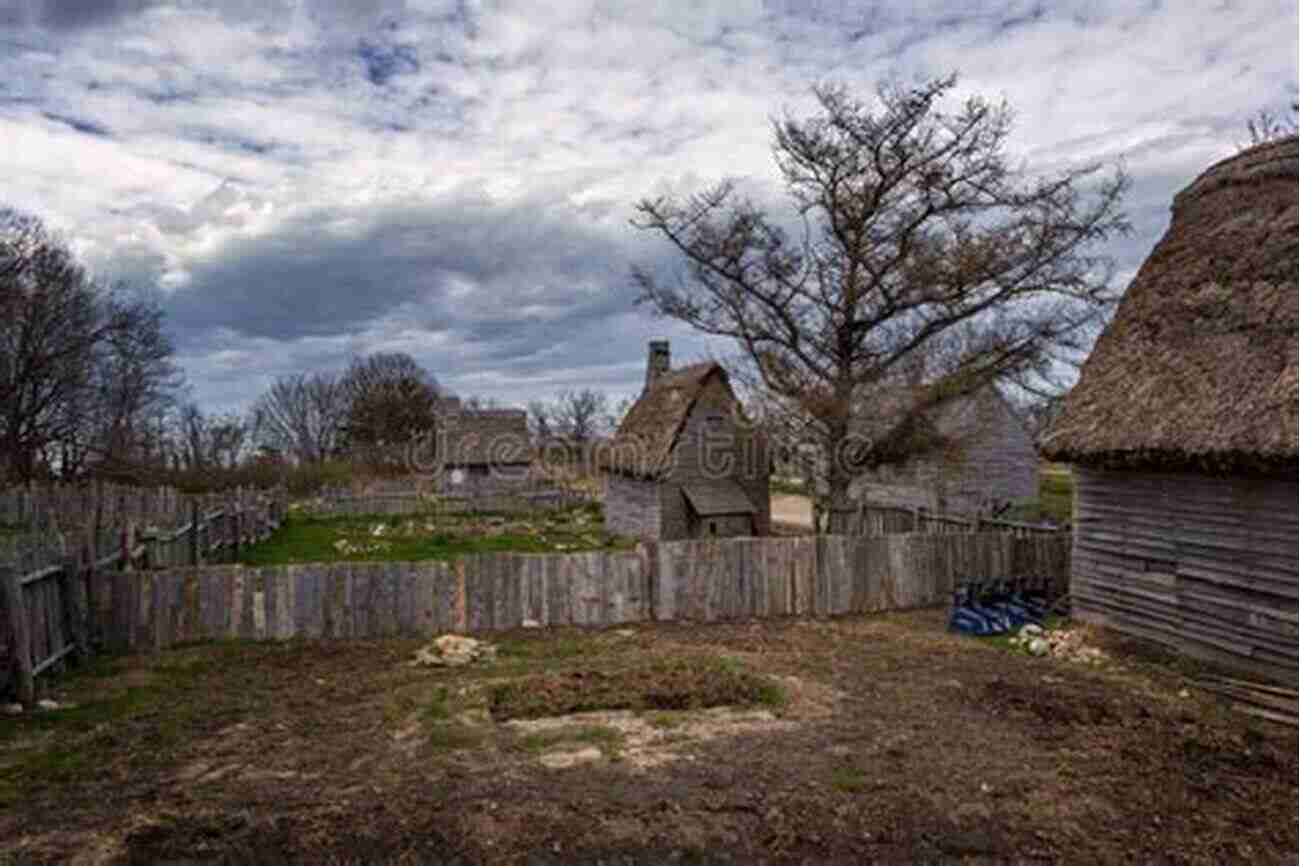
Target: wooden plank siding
x=1206, y=566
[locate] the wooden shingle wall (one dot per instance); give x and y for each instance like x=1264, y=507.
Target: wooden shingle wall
x=1207, y=566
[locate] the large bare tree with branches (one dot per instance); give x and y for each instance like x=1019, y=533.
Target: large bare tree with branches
x=83, y=367
x=910, y=231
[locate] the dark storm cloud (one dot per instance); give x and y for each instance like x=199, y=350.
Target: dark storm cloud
x=383, y=62
x=68, y=14
x=508, y=276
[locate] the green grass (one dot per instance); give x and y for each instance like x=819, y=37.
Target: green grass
x=452, y=737
x=603, y=737
x=438, y=708
x=788, y=485
x=665, y=720
x=141, y=724
x=1055, y=499
x=850, y=780
x=409, y=538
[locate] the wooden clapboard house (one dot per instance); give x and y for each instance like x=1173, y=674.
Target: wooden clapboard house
x=1182, y=430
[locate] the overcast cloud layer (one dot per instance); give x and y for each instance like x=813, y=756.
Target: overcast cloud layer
x=455, y=180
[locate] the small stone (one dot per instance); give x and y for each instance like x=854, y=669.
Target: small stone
x=1184, y=693
x=530, y=623
x=1030, y=630
x=1037, y=647
x=13, y=709
x=625, y=632
x=47, y=704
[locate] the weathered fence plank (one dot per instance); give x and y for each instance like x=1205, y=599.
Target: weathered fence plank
x=700, y=580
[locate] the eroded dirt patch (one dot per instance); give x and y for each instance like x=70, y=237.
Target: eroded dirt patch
x=894, y=742
x=642, y=741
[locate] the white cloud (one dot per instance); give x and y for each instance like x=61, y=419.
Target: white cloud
x=283, y=132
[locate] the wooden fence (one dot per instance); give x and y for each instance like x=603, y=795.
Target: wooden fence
x=886, y=520
x=63, y=609
x=701, y=581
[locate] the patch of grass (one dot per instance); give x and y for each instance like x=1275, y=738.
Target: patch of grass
x=850, y=780
x=1055, y=501
x=439, y=708
x=448, y=737
x=431, y=536
x=140, y=723
x=792, y=486
x=661, y=684
x=608, y=740
x=665, y=720
x=546, y=647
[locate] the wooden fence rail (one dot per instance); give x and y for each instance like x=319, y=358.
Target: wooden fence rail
x=61, y=610
x=866, y=519
x=702, y=581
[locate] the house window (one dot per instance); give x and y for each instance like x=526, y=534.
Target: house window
x=713, y=527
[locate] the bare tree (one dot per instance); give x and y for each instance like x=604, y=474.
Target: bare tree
x=135, y=382
x=615, y=415
x=302, y=415
x=913, y=227
x=392, y=402
x=83, y=368
x=579, y=415
x=541, y=420
x=50, y=323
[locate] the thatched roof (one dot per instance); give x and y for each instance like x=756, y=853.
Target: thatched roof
x=1198, y=368
x=483, y=437
x=643, y=445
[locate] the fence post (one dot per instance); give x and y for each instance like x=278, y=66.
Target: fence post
x=92, y=590
x=73, y=621
x=239, y=531
x=194, y=532
x=20, y=634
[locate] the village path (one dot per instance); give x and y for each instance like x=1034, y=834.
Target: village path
x=792, y=508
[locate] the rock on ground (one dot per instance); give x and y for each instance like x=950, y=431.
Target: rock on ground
x=452, y=650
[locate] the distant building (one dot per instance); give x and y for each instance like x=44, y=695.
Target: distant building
x=1182, y=430
x=482, y=451
x=685, y=463
x=991, y=462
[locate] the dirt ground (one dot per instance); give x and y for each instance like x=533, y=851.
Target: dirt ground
x=893, y=742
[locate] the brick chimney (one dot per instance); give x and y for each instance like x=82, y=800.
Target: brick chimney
x=658, y=363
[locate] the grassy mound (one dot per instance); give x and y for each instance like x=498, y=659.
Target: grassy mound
x=661, y=684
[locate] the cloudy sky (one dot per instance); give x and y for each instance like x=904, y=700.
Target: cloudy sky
x=455, y=179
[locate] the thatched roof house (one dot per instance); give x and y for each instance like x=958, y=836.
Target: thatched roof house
x=684, y=462
x=989, y=462
x=1183, y=430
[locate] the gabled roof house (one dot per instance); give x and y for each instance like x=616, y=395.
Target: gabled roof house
x=685, y=462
